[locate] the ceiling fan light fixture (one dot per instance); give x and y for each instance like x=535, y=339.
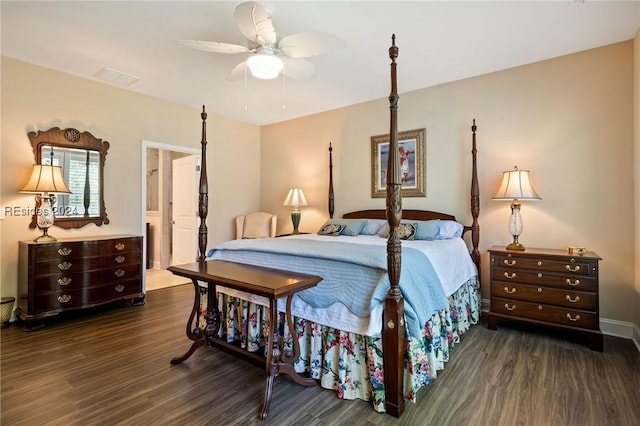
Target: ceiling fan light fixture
x=265, y=66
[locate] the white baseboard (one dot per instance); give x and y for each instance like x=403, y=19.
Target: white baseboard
x=623, y=329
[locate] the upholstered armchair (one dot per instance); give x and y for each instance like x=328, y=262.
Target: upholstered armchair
x=256, y=225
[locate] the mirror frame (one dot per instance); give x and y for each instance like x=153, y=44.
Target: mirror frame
x=72, y=138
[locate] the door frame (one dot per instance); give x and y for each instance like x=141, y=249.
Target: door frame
x=143, y=183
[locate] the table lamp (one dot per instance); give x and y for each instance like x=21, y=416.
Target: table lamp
x=45, y=180
x=516, y=185
x=295, y=199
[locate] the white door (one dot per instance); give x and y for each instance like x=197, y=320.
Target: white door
x=184, y=210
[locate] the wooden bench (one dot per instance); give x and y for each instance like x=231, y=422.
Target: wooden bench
x=272, y=284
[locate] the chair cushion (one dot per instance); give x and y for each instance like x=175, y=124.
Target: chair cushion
x=256, y=225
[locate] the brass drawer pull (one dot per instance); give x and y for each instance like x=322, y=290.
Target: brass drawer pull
x=539, y=275
x=119, y=246
x=513, y=307
x=574, y=319
x=570, y=269
x=64, y=251
x=119, y=259
x=539, y=262
x=64, y=298
x=119, y=288
x=509, y=276
x=539, y=289
x=576, y=300
x=573, y=284
x=64, y=281
x=509, y=262
x=513, y=290
x=539, y=307
x=64, y=266
x=119, y=273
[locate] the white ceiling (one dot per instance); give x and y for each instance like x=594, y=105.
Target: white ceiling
x=438, y=41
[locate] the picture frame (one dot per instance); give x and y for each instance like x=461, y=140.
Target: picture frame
x=413, y=174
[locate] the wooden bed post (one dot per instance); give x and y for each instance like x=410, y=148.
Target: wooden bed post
x=393, y=333
x=331, y=200
x=203, y=197
x=475, y=202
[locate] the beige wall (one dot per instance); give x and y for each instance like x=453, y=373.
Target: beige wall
x=36, y=98
x=569, y=120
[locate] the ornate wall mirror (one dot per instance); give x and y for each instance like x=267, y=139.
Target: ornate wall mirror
x=82, y=158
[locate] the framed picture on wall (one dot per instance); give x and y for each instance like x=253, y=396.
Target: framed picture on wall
x=412, y=163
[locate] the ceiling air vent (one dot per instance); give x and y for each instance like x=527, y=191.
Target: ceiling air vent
x=116, y=77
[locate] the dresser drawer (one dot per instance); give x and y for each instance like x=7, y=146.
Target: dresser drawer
x=545, y=295
x=566, y=281
x=69, y=251
x=543, y=312
x=87, y=263
x=88, y=279
x=62, y=299
x=570, y=265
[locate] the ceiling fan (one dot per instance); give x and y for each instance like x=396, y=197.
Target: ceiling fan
x=269, y=57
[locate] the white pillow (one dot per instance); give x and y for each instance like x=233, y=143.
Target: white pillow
x=449, y=229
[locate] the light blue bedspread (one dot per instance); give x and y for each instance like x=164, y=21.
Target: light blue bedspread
x=353, y=274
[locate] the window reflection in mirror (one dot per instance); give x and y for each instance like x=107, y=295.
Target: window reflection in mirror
x=81, y=170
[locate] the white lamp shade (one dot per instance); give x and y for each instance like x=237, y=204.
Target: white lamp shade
x=45, y=178
x=516, y=185
x=295, y=198
x=265, y=66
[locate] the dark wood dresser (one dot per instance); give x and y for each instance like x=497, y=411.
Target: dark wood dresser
x=546, y=287
x=77, y=273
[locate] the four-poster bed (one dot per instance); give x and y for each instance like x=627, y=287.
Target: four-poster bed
x=392, y=359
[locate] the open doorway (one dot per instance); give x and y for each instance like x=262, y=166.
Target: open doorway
x=165, y=166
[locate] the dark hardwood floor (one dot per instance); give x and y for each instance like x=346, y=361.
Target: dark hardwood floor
x=112, y=367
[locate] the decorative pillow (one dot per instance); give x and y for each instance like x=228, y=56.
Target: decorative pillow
x=352, y=227
x=449, y=229
x=407, y=231
x=372, y=226
x=427, y=229
x=256, y=225
x=331, y=229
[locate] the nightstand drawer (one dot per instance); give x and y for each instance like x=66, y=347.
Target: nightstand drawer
x=538, y=311
x=545, y=295
x=544, y=278
x=569, y=265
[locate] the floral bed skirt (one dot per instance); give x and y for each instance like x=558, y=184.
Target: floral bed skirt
x=350, y=363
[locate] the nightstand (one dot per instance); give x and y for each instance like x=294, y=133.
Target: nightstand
x=546, y=287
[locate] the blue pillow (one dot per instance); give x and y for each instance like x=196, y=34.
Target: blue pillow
x=428, y=229
x=372, y=226
x=352, y=227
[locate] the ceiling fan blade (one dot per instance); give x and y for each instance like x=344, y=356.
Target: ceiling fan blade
x=298, y=68
x=308, y=44
x=213, y=46
x=239, y=72
x=254, y=23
